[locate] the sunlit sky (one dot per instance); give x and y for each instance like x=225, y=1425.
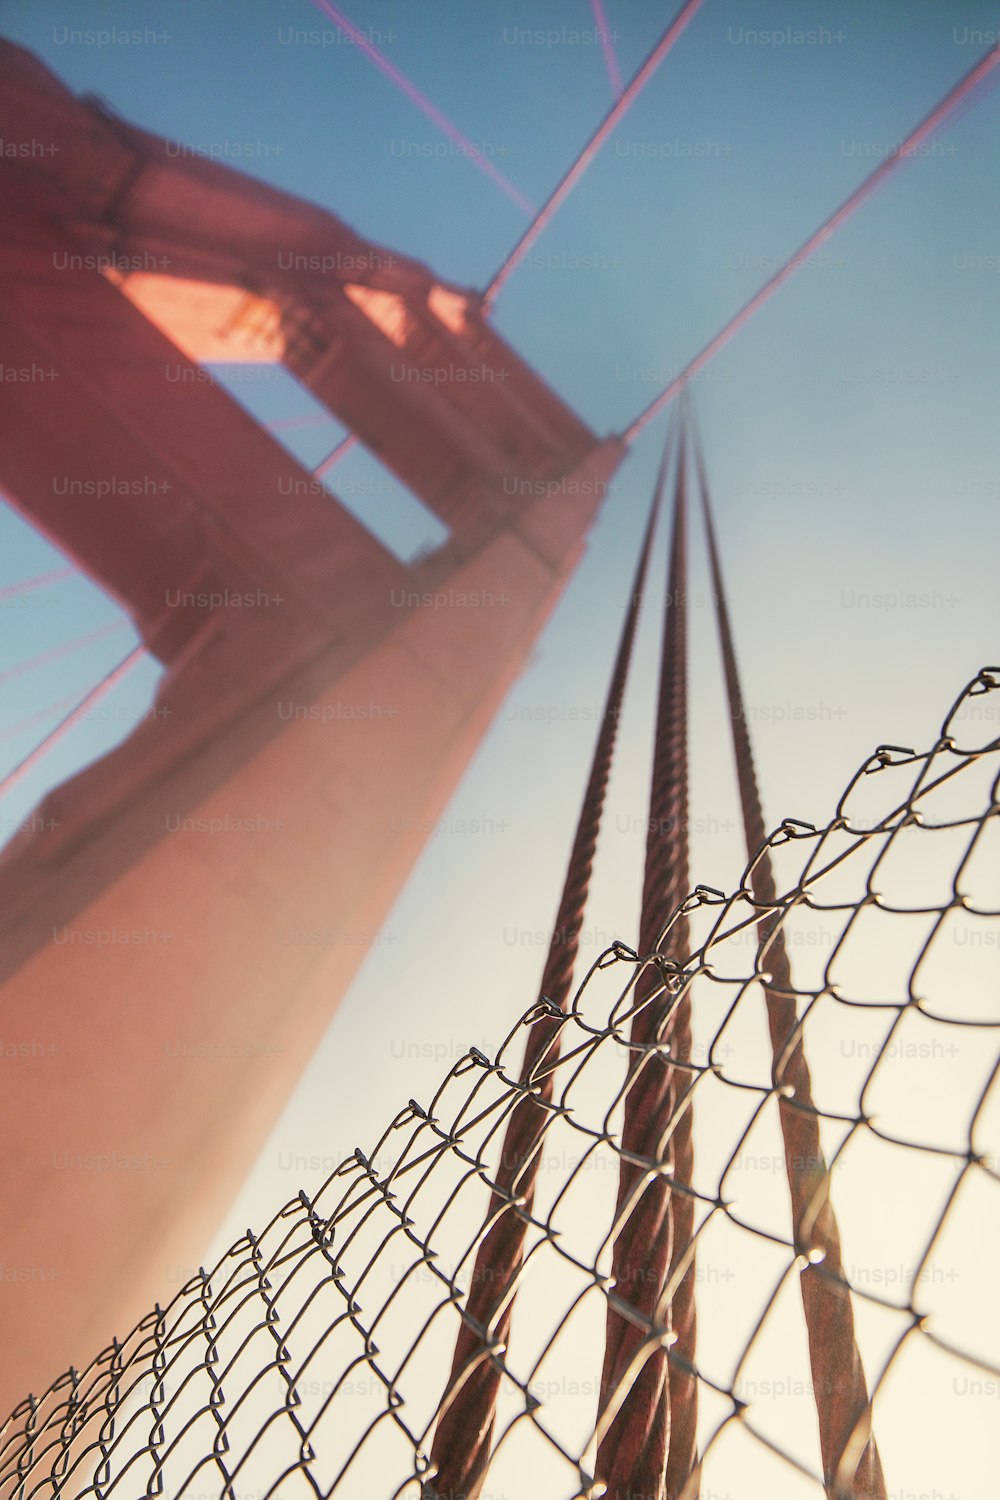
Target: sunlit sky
x=850, y=428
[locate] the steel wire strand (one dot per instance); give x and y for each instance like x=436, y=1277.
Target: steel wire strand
x=463, y=1439
x=656, y=1419
x=851, y=1463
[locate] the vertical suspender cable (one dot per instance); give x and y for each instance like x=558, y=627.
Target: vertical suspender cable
x=462, y=1442
x=851, y=1463
x=656, y=1418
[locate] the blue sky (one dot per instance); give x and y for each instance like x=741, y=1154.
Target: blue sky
x=867, y=383
x=850, y=428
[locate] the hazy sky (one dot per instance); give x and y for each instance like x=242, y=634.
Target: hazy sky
x=850, y=428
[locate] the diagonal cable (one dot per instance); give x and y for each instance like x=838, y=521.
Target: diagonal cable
x=572, y=176
x=79, y=643
x=944, y=113
x=411, y=92
x=110, y=680
x=39, y=581
x=607, y=47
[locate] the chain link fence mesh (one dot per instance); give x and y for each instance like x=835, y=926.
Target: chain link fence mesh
x=313, y=1359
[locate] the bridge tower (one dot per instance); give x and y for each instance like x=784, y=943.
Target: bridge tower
x=210, y=886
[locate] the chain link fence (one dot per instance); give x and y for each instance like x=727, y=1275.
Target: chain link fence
x=314, y=1359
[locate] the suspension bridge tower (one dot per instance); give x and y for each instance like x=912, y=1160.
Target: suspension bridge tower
x=181, y=919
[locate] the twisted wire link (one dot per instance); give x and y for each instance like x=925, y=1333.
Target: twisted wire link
x=659, y=1417
x=311, y=1361
x=851, y=1463
x=463, y=1439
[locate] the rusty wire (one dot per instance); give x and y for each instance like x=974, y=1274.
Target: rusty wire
x=652, y=1434
x=850, y=1454
x=312, y=1360
x=460, y=1463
